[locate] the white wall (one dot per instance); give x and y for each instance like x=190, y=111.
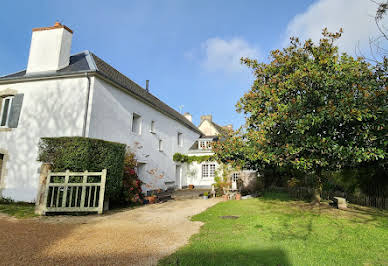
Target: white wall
x=51, y=108
x=110, y=119
x=193, y=172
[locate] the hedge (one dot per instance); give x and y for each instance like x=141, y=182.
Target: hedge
x=79, y=154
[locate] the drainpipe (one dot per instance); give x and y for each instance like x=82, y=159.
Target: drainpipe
x=86, y=106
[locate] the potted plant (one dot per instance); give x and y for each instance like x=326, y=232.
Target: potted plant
x=225, y=197
x=205, y=195
x=151, y=199
x=238, y=196
x=191, y=186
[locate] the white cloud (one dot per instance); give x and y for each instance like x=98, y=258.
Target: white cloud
x=356, y=17
x=224, y=55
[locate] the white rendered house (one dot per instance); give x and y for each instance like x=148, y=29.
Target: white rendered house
x=202, y=175
x=81, y=95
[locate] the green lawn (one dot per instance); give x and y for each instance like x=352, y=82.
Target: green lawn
x=277, y=231
x=18, y=210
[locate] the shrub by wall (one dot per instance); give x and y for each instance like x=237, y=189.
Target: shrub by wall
x=132, y=192
x=79, y=154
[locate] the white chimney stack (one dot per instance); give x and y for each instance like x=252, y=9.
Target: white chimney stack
x=50, y=48
x=188, y=116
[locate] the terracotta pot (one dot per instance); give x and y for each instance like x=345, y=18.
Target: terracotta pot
x=191, y=186
x=225, y=197
x=151, y=199
x=238, y=196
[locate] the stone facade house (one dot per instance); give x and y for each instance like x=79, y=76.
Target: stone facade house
x=60, y=94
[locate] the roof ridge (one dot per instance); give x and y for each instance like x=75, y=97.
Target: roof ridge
x=90, y=60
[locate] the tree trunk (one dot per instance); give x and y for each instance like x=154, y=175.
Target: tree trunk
x=318, y=188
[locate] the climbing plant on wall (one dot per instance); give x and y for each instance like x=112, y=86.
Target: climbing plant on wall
x=182, y=158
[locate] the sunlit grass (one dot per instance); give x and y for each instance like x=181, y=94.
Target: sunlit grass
x=277, y=231
x=18, y=210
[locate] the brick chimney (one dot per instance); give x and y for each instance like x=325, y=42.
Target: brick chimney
x=206, y=117
x=188, y=116
x=50, y=48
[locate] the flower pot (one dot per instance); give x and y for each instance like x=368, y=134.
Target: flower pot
x=238, y=196
x=205, y=197
x=151, y=199
x=225, y=197
x=191, y=186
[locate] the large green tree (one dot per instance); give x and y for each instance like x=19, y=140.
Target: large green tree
x=313, y=109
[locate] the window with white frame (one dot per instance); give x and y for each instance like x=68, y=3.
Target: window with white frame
x=204, y=144
x=152, y=128
x=235, y=177
x=5, y=110
x=208, y=170
x=160, y=145
x=180, y=139
x=136, y=123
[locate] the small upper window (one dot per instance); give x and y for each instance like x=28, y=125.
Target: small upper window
x=5, y=110
x=152, y=128
x=180, y=139
x=136, y=123
x=160, y=145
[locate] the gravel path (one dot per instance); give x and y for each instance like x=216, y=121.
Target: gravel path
x=139, y=236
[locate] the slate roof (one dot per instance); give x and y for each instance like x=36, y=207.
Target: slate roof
x=89, y=62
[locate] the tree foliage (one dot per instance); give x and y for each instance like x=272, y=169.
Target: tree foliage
x=312, y=109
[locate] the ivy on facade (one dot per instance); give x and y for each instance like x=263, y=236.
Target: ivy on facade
x=182, y=158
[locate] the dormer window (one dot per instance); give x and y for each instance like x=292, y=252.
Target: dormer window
x=204, y=144
x=6, y=104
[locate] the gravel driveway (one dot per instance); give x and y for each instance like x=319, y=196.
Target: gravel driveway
x=139, y=236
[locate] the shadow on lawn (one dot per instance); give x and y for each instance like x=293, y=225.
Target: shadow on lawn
x=235, y=257
x=358, y=214
x=275, y=196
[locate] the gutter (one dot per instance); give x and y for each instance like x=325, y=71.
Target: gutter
x=86, y=105
x=75, y=74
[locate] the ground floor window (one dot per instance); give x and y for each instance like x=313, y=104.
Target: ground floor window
x=208, y=170
x=235, y=177
x=140, y=169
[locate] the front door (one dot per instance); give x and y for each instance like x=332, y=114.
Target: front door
x=178, y=176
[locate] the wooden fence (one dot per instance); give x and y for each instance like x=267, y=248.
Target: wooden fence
x=75, y=192
x=363, y=200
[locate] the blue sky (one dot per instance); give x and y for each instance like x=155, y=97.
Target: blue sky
x=189, y=50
